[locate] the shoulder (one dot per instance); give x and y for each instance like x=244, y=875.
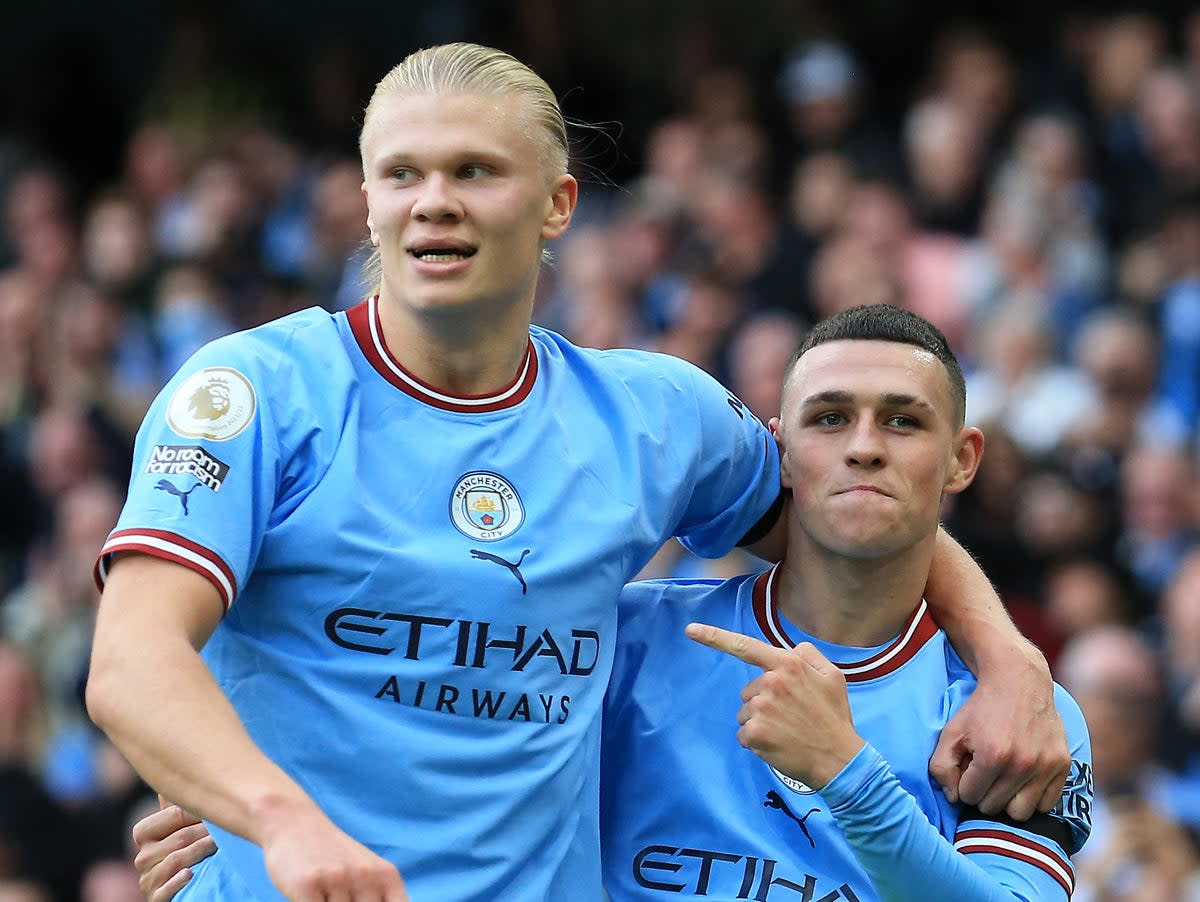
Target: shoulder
x=304, y=345
x=307, y=331
x=619, y=365
x=266, y=348
x=232, y=380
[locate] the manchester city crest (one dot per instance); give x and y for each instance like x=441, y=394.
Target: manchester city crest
x=485, y=506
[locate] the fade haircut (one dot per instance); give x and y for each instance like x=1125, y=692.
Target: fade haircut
x=463, y=68
x=884, y=322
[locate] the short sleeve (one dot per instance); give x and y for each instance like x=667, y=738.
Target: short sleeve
x=734, y=472
x=205, y=470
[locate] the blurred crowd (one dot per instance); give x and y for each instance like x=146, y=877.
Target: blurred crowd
x=1044, y=213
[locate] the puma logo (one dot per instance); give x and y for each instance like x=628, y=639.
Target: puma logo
x=165, y=485
x=515, y=569
x=775, y=800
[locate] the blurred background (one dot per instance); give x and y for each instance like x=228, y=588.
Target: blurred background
x=1026, y=175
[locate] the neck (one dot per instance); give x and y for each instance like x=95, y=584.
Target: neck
x=850, y=601
x=467, y=352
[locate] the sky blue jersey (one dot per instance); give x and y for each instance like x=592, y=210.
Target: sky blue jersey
x=421, y=588
x=687, y=812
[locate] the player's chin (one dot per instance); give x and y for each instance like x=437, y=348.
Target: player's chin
x=866, y=540
x=443, y=296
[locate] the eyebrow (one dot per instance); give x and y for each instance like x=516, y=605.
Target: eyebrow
x=888, y=399
x=459, y=156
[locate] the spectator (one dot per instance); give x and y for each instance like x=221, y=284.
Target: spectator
x=1118, y=353
x=927, y=265
x=1158, y=512
x=758, y=357
x=1175, y=413
x=50, y=617
x=189, y=311
x=1082, y=593
x=1017, y=382
x=118, y=255
x=944, y=150
x=974, y=74
x=111, y=880
x=38, y=841
x=333, y=265
x=1111, y=672
x=1124, y=49
x=824, y=91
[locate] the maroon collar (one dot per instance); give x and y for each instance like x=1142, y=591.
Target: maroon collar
x=364, y=323
x=917, y=630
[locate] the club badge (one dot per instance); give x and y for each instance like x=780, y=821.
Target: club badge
x=485, y=506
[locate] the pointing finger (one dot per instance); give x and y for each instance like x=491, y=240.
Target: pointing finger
x=745, y=648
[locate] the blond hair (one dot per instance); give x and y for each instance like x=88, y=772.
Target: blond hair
x=464, y=68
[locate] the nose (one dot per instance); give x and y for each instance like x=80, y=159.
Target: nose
x=436, y=199
x=866, y=447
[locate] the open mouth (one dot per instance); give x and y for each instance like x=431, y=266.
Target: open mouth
x=442, y=254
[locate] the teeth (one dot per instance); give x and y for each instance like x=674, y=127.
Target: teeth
x=441, y=256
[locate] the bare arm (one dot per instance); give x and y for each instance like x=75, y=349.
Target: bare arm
x=149, y=690
x=1006, y=748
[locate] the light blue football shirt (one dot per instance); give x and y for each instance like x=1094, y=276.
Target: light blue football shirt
x=687, y=812
x=422, y=588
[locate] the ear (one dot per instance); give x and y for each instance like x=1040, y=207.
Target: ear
x=564, y=194
x=370, y=222
x=776, y=428
x=968, y=454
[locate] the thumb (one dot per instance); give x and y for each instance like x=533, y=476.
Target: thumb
x=949, y=760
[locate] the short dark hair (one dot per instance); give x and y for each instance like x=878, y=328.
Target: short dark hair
x=884, y=322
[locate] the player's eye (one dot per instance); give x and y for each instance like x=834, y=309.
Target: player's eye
x=403, y=174
x=902, y=421
x=473, y=171
x=829, y=418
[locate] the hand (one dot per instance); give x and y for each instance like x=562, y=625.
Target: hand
x=169, y=842
x=796, y=716
x=1006, y=750
x=311, y=860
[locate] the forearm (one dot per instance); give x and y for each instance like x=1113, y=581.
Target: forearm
x=901, y=851
x=167, y=716
x=966, y=606
x=149, y=690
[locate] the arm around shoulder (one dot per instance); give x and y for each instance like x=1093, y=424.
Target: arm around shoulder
x=1006, y=749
